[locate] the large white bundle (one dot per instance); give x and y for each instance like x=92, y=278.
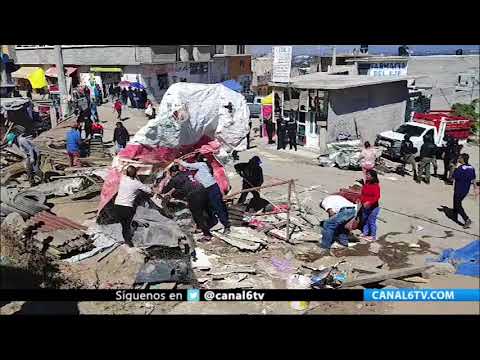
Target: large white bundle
x=189, y=111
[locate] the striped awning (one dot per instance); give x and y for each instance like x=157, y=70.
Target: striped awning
x=23, y=72
x=106, y=69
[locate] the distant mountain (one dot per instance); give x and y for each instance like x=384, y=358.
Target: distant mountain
x=373, y=49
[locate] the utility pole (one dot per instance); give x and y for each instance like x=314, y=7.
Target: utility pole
x=62, y=86
x=334, y=57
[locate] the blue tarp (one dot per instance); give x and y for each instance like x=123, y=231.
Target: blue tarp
x=466, y=260
x=233, y=85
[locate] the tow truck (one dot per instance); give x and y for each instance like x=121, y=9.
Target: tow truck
x=437, y=123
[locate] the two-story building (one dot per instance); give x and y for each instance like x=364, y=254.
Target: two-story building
x=154, y=66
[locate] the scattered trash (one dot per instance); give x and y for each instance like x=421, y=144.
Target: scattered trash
x=298, y=282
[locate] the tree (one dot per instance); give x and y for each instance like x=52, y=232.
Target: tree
x=470, y=111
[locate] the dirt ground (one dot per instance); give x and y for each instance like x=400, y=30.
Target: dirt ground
x=409, y=214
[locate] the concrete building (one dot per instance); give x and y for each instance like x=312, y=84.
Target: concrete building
x=154, y=66
x=262, y=69
x=328, y=107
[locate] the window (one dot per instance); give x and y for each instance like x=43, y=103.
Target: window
x=240, y=49
x=410, y=130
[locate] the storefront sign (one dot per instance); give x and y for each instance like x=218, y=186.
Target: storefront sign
x=388, y=69
x=282, y=63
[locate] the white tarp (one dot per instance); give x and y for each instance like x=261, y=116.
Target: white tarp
x=189, y=111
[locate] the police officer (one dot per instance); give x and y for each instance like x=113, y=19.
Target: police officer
x=407, y=152
x=428, y=153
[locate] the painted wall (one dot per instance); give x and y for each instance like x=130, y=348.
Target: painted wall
x=373, y=108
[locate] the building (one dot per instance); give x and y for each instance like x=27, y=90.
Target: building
x=330, y=107
x=154, y=66
x=262, y=69
x=7, y=66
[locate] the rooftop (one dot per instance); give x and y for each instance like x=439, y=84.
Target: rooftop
x=379, y=59
x=334, y=82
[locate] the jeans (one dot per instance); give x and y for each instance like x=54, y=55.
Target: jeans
x=334, y=227
x=125, y=216
x=458, y=207
x=369, y=220
x=118, y=147
x=217, y=205
x=203, y=217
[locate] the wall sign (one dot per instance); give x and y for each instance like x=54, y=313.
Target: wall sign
x=282, y=63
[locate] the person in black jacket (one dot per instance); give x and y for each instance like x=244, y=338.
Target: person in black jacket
x=407, y=152
x=281, y=133
x=120, y=137
x=292, y=133
x=182, y=186
x=450, y=158
x=428, y=152
x=252, y=175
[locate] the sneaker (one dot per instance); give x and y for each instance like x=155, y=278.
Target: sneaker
x=467, y=224
x=337, y=245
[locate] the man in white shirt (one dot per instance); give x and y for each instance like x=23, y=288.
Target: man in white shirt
x=340, y=211
x=128, y=190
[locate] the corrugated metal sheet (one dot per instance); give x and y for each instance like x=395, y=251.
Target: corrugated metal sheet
x=53, y=222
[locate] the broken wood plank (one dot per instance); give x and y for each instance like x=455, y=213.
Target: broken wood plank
x=392, y=274
x=416, y=279
x=242, y=245
x=256, y=188
x=11, y=171
x=233, y=269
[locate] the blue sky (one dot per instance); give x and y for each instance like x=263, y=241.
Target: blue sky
x=375, y=49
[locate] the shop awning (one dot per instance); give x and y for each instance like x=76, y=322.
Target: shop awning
x=23, y=72
x=267, y=100
x=52, y=72
x=106, y=69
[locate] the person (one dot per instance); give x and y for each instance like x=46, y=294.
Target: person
x=93, y=110
x=120, y=137
x=130, y=97
x=281, y=133
x=32, y=154
x=248, y=134
x=111, y=92
x=136, y=98
x=450, y=159
x=464, y=177
x=252, y=175
x=340, y=211
x=87, y=125
x=74, y=142
x=118, y=108
x=124, y=96
x=124, y=206
x=143, y=98
x=407, y=152
x=182, y=186
x=150, y=110
x=29, y=93
x=97, y=129
x=269, y=127
x=367, y=158
x=428, y=152
x=204, y=176
x=370, y=195
x=104, y=92
x=292, y=133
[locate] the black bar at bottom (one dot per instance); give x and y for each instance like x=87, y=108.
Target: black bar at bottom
x=182, y=295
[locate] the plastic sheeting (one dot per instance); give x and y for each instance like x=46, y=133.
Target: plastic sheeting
x=190, y=117
x=344, y=154
x=466, y=260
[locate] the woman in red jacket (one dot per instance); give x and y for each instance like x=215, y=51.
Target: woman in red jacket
x=370, y=208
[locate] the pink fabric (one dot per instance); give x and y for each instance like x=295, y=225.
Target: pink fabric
x=164, y=156
x=267, y=111
x=257, y=224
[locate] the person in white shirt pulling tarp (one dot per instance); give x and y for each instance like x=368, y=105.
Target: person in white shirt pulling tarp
x=340, y=212
x=204, y=176
x=124, y=208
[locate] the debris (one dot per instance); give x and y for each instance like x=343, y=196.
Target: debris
x=63, y=243
x=241, y=244
x=416, y=279
x=14, y=224
x=466, y=260
x=202, y=261
x=414, y=245
x=163, y=286
x=398, y=284
x=45, y=221
x=322, y=263
x=232, y=269
x=439, y=268
x=374, y=247
x=385, y=275
x=165, y=270
x=26, y=203
x=299, y=282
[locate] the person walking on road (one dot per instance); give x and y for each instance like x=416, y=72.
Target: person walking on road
x=124, y=206
x=292, y=134
x=117, y=106
x=120, y=137
x=204, y=176
x=463, y=176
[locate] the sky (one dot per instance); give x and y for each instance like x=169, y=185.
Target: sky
x=373, y=49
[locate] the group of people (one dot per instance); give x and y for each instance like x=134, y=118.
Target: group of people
x=286, y=131
x=200, y=190
x=135, y=98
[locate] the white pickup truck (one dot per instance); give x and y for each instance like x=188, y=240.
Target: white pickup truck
x=438, y=124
